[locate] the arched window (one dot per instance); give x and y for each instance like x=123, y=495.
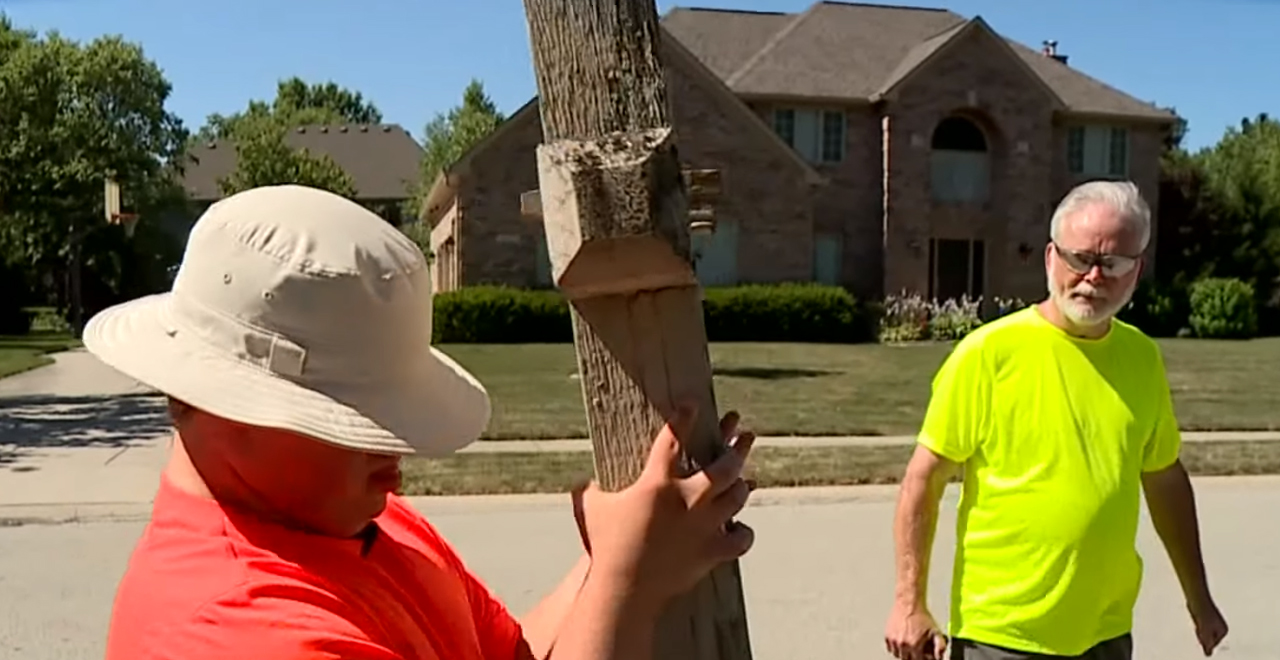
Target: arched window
x=961, y=162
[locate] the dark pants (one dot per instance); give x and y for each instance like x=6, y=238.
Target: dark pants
x=1120, y=648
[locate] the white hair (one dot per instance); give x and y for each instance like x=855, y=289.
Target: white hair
x=1122, y=196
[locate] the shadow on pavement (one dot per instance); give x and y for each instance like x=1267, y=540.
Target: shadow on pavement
x=33, y=422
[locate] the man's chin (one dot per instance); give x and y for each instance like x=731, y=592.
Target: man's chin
x=1085, y=312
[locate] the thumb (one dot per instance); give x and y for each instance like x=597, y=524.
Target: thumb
x=664, y=455
x=939, y=646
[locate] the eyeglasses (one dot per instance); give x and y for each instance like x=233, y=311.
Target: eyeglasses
x=1112, y=265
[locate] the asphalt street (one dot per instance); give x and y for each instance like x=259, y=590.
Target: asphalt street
x=818, y=583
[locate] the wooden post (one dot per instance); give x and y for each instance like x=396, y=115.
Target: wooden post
x=615, y=209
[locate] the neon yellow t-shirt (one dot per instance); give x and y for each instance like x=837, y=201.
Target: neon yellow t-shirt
x=1055, y=432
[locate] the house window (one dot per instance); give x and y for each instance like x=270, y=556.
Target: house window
x=957, y=268
x=1098, y=151
x=826, y=258
x=818, y=135
x=960, y=163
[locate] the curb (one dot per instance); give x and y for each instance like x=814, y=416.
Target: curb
x=805, y=441
x=18, y=515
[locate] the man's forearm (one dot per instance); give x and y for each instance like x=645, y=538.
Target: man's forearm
x=1171, y=502
x=543, y=623
x=606, y=623
x=914, y=525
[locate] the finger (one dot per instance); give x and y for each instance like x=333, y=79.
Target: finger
x=664, y=455
x=727, y=505
x=729, y=425
x=726, y=470
x=736, y=541
x=939, y=646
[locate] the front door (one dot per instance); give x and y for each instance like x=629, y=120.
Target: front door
x=957, y=268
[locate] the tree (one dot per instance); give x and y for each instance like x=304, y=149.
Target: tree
x=448, y=136
x=1219, y=214
x=296, y=104
x=265, y=159
x=74, y=114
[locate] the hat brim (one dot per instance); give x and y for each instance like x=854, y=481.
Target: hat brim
x=431, y=409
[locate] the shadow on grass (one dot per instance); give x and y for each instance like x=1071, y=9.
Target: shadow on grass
x=36, y=422
x=769, y=373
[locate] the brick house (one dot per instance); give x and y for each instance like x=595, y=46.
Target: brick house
x=382, y=159
x=879, y=148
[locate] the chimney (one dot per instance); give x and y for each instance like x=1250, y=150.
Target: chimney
x=1051, y=50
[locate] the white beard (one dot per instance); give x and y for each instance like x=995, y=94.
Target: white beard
x=1087, y=311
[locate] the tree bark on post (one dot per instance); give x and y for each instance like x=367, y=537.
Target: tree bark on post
x=615, y=211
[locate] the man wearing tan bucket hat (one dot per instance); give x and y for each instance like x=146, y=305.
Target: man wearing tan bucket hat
x=294, y=349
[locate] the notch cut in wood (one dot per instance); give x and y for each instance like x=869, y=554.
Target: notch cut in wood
x=702, y=188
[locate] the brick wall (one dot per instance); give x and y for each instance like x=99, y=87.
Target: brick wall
x=763, y=192
x=979, y=79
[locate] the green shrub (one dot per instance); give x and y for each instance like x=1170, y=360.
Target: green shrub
x=500, y=315
x=782, y=312
x=1223, y=308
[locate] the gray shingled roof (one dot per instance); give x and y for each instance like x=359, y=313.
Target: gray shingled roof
x=383, y=159
x=846, y=50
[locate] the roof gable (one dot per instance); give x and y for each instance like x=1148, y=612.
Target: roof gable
x=382, y=159
x=850, y=51
x=931, y=49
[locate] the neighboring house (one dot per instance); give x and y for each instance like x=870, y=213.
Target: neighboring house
x=382, y=160
x=879, y=148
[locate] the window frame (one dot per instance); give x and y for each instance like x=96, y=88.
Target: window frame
x=828, y=123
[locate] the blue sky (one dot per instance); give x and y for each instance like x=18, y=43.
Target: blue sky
x=1214, y=60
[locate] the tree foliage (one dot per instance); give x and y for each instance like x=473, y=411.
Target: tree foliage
x=297, y=103
x=73, y=114
x=448, y=136
x=1220, y=214
x=264, y=158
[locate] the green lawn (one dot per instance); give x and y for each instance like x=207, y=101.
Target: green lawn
x=19, y=354
x=864, y=389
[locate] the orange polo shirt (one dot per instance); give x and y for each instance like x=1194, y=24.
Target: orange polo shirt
x=206, y=582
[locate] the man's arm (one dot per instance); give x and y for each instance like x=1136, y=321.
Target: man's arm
x=1171, y=501
x=543, y=623
x=608, y=621
x=915, y=523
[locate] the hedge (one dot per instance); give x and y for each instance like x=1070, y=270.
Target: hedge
x=778, y=312
x=1223, y=308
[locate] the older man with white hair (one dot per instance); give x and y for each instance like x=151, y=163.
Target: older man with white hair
x=1059, y=415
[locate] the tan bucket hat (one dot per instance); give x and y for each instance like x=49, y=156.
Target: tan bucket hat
x=298, y=309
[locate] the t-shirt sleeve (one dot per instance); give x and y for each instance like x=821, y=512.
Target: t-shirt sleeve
x=278, y=621
x=955, y=419
x=1165, y=443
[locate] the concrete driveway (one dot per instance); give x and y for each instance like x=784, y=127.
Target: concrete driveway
x=818, y=583
x=79, y=431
